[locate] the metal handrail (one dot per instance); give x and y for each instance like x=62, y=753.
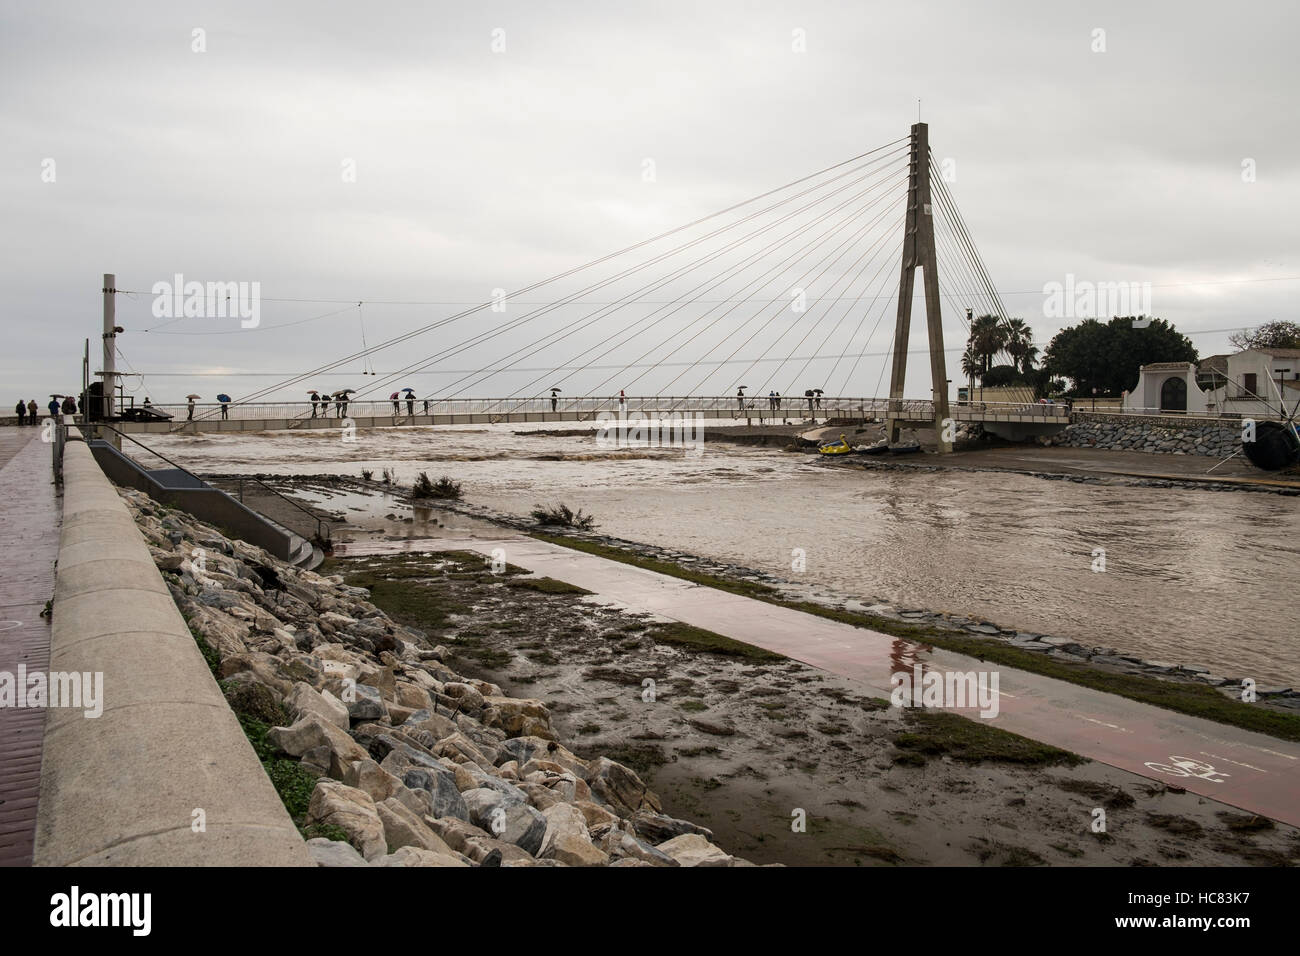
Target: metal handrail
x=156, y=454
x=300, y=411
x=321, y=523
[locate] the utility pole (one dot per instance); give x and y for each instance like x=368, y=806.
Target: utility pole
x=110, y=344
x=918, y=250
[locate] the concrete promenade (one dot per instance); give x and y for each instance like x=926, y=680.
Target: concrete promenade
x=127, y=787
x=29, y=532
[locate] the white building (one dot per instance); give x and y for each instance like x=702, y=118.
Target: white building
x=1248, y=384
x=1259, y=381
x=1166, y=387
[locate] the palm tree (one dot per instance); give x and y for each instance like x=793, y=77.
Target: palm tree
x=987, y=339
x=1020, y=344
x=970, y=367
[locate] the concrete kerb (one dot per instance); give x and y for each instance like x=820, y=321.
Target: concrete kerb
x=123, y=788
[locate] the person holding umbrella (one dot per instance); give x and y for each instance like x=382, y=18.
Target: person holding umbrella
x=554, y=401
x=224, y=399
x=410, y=401
x=315, y=398
x=397, y=408
x=740, y=396
x=54, y=406
x=189, y=407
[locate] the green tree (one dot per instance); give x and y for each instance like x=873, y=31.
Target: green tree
x=1019, y=344
x=987, y=339
x=1107, y=356
x=1271, y=335
x=1001, y=376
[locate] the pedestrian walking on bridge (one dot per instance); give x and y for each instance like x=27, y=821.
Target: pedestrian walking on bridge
x=31, y=412
x=21, y=409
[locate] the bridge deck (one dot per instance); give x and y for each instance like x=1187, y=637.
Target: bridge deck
x=538, y=411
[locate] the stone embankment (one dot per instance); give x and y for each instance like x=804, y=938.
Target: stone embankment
x=414, y=764
x=1215, y=439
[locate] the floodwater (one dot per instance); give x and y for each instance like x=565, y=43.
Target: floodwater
x=1190, y=577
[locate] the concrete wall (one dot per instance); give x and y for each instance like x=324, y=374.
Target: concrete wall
x=122, y=788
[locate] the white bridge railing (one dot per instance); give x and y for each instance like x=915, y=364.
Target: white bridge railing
x=589, y=407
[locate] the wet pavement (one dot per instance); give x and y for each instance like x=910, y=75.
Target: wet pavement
x=1248, y=770
x=30, y=513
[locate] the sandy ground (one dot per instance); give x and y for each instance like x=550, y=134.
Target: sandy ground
x=742, y=746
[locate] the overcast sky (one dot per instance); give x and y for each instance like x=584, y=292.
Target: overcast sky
x=496, y=144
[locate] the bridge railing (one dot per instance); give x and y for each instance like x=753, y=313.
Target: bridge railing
x=370, y=408
x=1082, y=410
x=589, y=406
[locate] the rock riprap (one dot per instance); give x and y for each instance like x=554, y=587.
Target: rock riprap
x=1215, y=439
x=415, y=764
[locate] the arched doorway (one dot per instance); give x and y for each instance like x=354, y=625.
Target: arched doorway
x=1173, y=395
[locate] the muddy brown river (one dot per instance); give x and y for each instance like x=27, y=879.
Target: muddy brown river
x=1190, y=577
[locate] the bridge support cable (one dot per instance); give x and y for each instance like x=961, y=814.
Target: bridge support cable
x=429, y=361
x=759, y=282
x=865, y=301
x=862, y=263
x=885, y=302
x=869, y=305
x=644, y=324
x=969, y=255
x=406, y=336
x=781, y=305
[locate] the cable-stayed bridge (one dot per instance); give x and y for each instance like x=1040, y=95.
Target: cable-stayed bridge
x=762, y=312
